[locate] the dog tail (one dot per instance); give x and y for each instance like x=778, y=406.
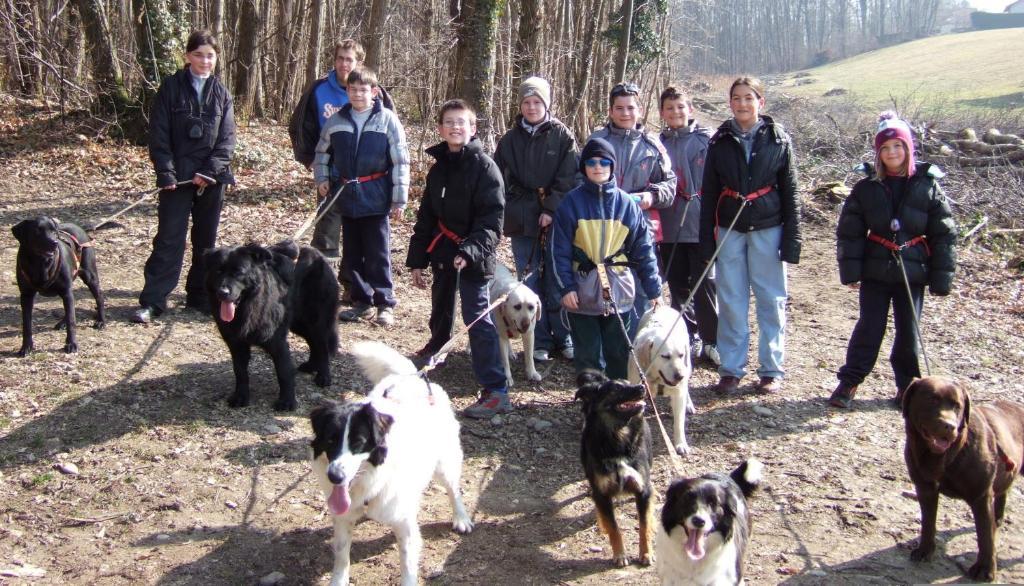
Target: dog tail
x=748, y=476
x=378, y=360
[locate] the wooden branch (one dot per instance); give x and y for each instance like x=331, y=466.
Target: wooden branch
x=978, y=226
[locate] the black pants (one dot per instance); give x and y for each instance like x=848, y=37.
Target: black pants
x=866, y=340
x=327, y=237
x=686, y=268
x=367, y=259
x=163, y=268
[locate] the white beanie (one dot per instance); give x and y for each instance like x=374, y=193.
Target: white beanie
x=536, y=86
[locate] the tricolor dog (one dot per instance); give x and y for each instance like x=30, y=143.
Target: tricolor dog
x=374, y=457
x=516, y=317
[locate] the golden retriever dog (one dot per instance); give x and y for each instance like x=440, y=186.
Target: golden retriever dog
x=668, y=369
x=515, y=318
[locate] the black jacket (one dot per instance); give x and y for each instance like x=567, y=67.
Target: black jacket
x=771, y=164
x=304, y=124
x=922, y=211
x=177, y=116
x=464, y=191
x=545, y=159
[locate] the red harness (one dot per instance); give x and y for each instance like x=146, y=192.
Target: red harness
x=444, y=231
x=747, y=198
x=365, y=178
x=898, y=247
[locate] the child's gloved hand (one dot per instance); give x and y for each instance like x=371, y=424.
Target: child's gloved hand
x=460, y=262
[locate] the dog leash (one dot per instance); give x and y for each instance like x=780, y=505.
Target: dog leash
x=898, y=254
x=320, y=211
x=145, y=196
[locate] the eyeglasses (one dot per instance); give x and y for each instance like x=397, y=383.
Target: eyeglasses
x=625, y=89
x=456, y=123
x=595, y=162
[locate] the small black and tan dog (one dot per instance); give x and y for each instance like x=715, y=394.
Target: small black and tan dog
x=616, y=454
x=50, y=256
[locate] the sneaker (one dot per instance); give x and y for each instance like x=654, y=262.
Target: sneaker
x=489, y=404
x=696, y=349
x=358, y=312
x=541, y=355
x=727, y=385
x=842, y=397
x=385, y=316
x=144, y=314
x=568, y=353
x=769, y=385
x=710, y=351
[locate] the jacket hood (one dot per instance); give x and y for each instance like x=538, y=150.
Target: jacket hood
x=473, y=147
x=629, y=132
x=332, y=78
x=868, y=169
x=691, y=128
x=727, y=129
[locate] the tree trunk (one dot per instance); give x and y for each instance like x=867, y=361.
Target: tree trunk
x=246, y=78
x=580, y=123
x=160, y=27
x=627, y=26
x=106, y=69
x=476, y=47
x=374, y=35
x=527, y=55
x=316, y=32
x=217, y=19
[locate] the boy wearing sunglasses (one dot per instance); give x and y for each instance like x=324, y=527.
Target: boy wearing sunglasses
x=644, y=169
x=599, y=224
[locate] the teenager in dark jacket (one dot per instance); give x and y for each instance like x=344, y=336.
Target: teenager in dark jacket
x=537, y=158
x=191, y=139
x=750, y=158
x=679, y=250
x=899, y=209
x=456, y=233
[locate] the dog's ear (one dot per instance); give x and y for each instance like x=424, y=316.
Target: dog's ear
x=287, y=248
x=214, y=257
x=258, y=253
x=319, y=417
x=381, y=424
x=20, y=230
x=590, y=376
x=537, y=309
x=52, y=224
x=965, y=419
x=907, y=394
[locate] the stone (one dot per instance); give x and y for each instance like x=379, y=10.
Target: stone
x=271, y=579
x=66, y=468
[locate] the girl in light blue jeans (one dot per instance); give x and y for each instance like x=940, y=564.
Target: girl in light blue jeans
x=750, y=178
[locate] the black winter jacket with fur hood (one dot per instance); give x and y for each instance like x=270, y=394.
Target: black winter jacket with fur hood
x=466, y=192
x=771, y=164
x=922, y=211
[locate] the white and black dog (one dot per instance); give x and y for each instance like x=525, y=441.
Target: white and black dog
x=669, y=370
x=705, y=527
x=515, y=318
x=375, y=457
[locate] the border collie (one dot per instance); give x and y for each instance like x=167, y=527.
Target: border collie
x=375, y=457
x=705, y=526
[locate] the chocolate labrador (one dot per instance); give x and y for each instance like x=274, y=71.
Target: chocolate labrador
x=50, y=256
x=967, y=452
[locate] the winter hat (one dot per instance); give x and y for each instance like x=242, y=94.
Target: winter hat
x=597, y=148
x=889, y=127
x=536, y=86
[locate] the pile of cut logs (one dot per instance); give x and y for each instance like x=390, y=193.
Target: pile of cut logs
x=966, y=149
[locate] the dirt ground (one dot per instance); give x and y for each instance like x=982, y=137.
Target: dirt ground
x=175, y=487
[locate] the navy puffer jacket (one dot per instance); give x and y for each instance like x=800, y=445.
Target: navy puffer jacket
x=923, y=211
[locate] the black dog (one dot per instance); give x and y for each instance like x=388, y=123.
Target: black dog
x=262, y=293
x=705, y=527
x=51, y=255
x=616, y=454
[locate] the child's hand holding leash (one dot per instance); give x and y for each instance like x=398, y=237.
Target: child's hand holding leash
x=571, y=301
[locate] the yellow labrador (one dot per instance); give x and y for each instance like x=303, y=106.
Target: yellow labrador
x=515, y=318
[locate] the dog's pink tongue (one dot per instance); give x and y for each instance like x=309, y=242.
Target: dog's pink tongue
x=338, y=501
x=227, y=311
x=695, y=544
x=939, y=446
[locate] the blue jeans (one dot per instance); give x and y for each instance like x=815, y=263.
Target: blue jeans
x=550, y=333
x=750, y=261
x=366, y=259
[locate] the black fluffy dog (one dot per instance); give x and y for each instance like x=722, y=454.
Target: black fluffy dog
x=616, y=454
x=51, y=255
x=261, y=293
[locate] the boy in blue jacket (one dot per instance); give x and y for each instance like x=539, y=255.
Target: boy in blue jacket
x=599, y=224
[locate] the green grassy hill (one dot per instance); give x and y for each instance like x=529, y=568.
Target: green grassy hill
x=977, y=70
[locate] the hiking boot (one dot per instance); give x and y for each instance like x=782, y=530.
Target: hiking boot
x=144, y=314
x=727, y=385
x=541, y=355
x=358, y=312
x=710, y=351
x=769, y=385
x=489, y=404
x=842, y=397
x=385, y=317
x=568, y=353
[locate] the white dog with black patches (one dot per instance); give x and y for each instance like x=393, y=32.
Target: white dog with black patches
x=668, y=371
x=705, y=527
x=515, y=318
x=374, y=457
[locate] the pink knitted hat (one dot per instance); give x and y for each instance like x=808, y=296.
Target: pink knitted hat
x=889, y=127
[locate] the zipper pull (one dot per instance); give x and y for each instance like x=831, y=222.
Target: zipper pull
x=442, y=192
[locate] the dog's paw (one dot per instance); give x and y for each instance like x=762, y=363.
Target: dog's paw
x=99, y=325
x=322, y=379
x=982, y=571
x=238, y=400
x=922, y=552
x=620, y=561
x=285, y=405
x=645, y=559
x=306, y=366
x=462, y=526
x=683, y=448
x=70, y=347
x=533, y=375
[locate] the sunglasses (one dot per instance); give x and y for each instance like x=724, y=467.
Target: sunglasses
x=625, y=89
x=595, y=162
